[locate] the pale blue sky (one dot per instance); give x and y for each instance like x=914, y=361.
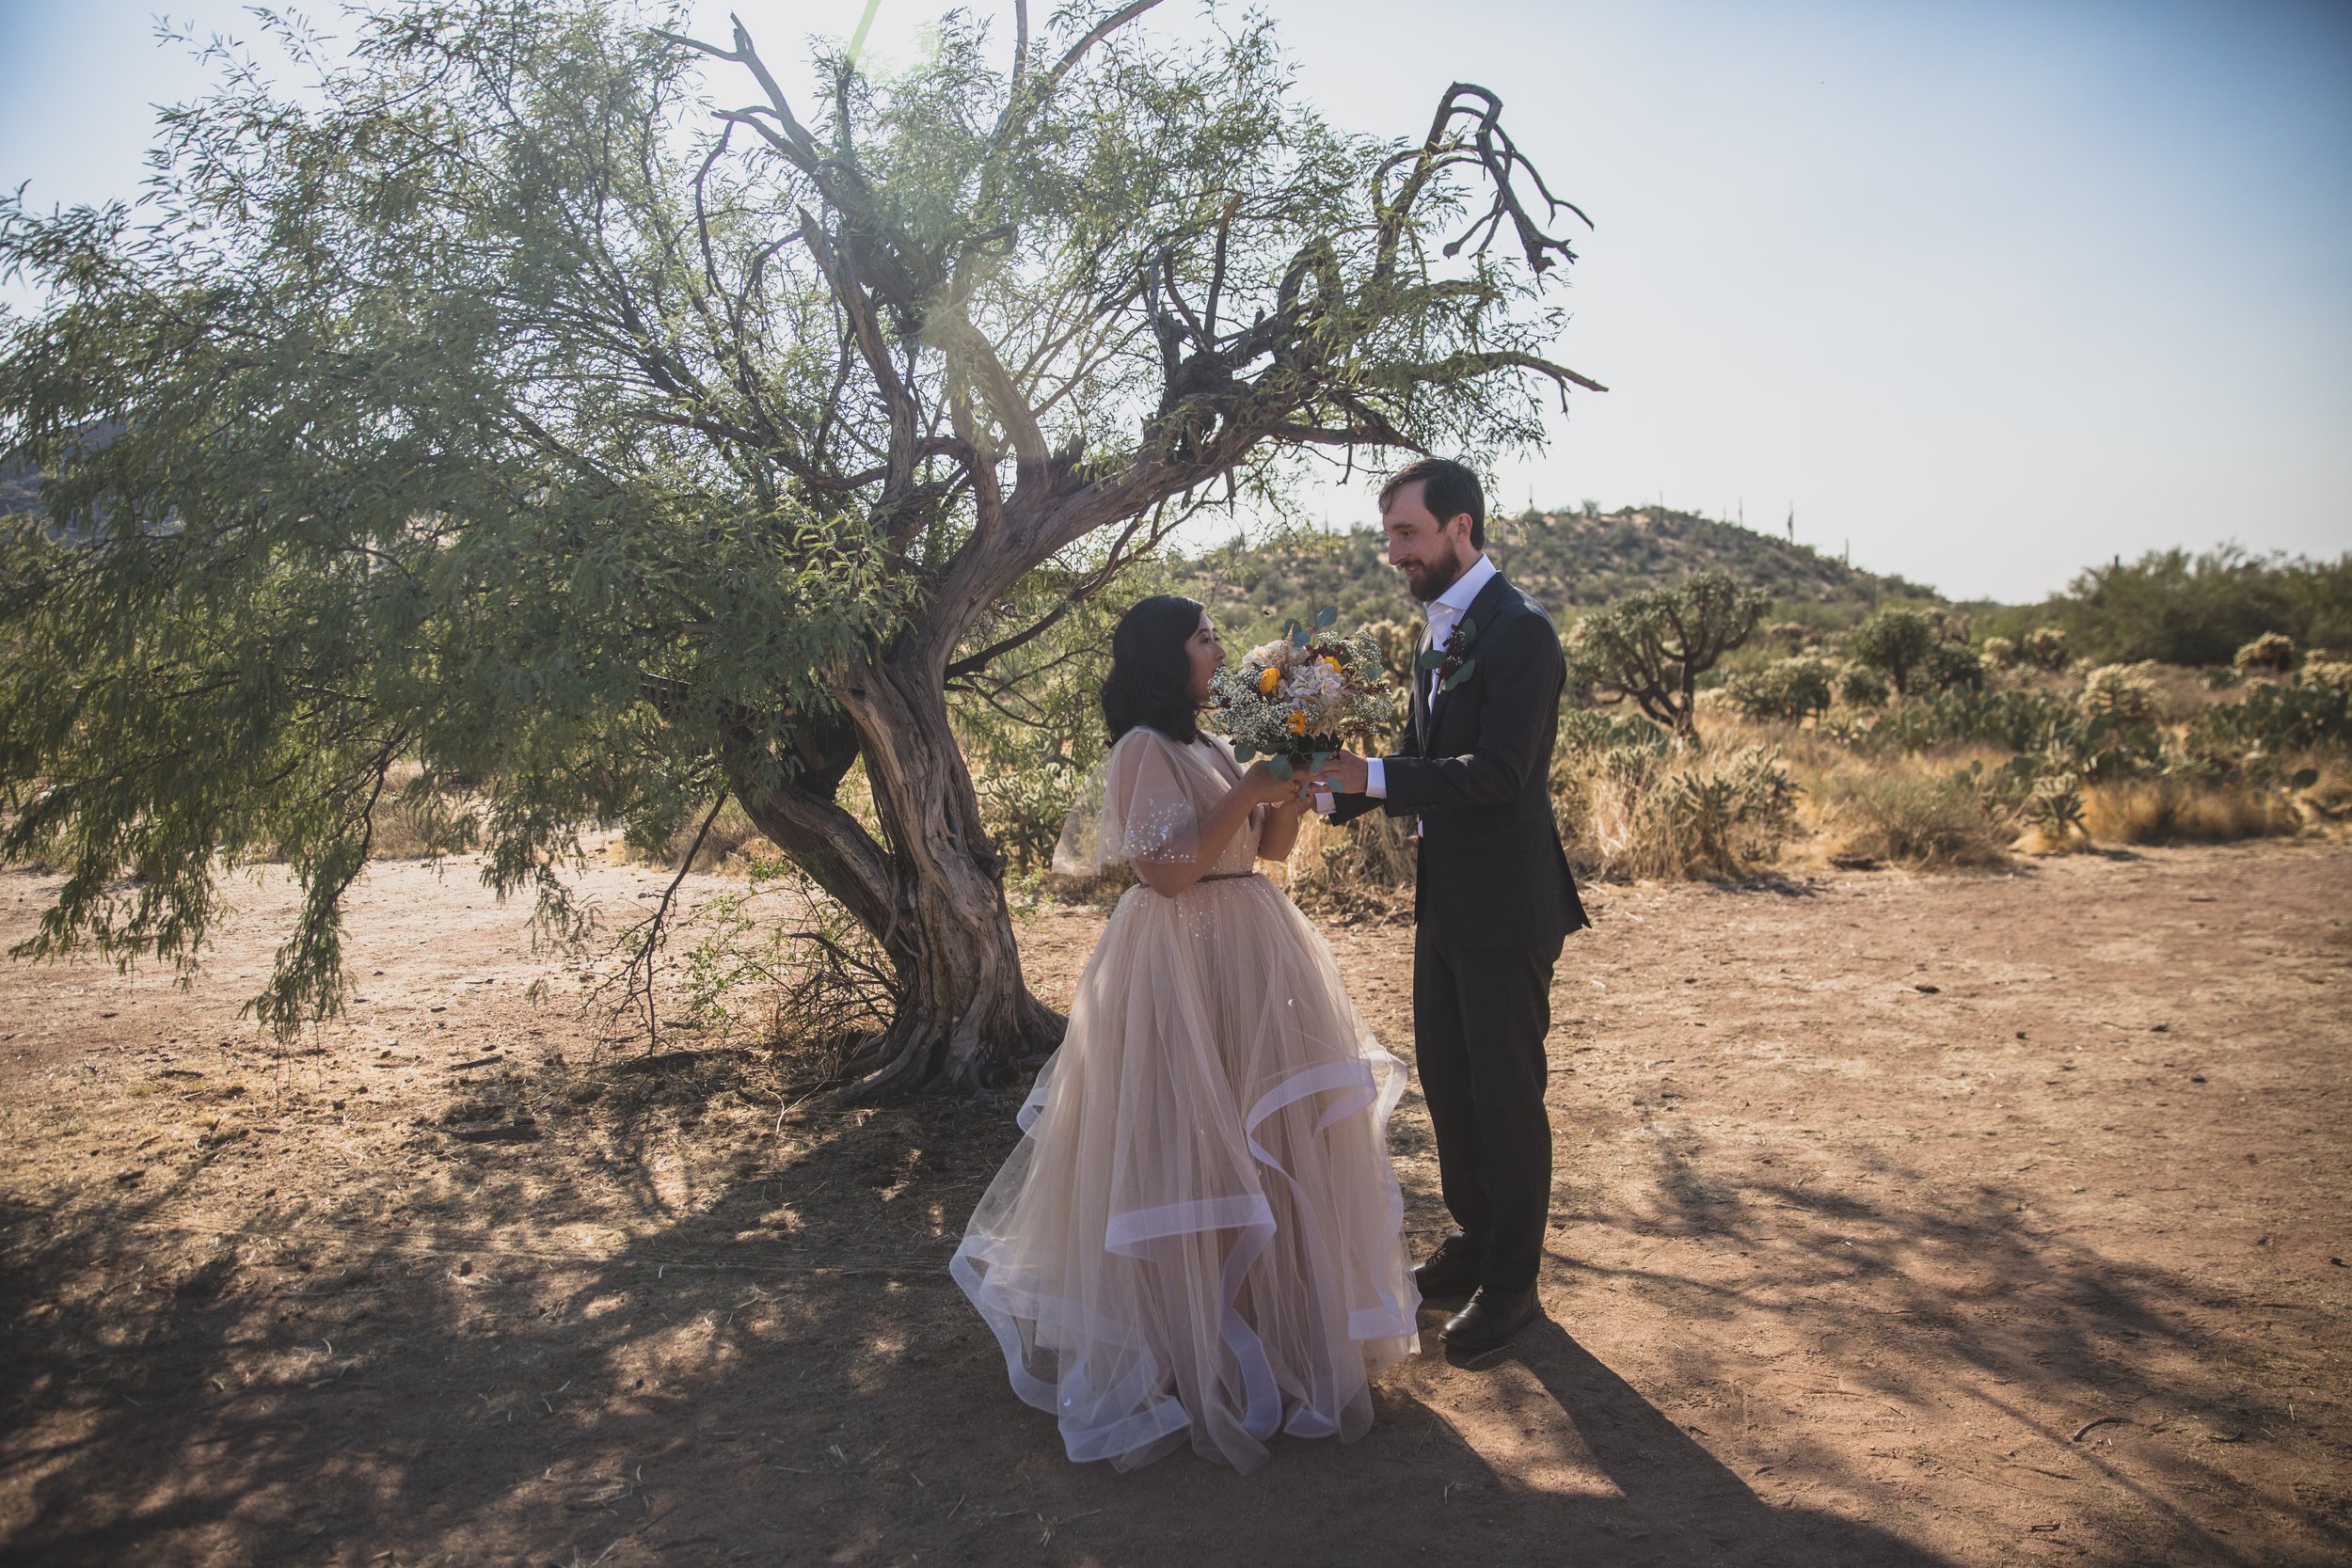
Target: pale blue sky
x=1991, y=289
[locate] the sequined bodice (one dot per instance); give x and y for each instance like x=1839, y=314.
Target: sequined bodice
x=1219, y=774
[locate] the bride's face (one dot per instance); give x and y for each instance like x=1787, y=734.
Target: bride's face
x=1206, y=653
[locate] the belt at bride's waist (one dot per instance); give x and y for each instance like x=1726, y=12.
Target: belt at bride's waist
x=1223, y=876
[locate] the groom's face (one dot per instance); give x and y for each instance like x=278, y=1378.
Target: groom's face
x=1429, y=552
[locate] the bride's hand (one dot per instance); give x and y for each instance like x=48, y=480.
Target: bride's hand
x=1264, y=788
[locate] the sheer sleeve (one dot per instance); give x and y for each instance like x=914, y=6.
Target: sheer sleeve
x=1142, y=811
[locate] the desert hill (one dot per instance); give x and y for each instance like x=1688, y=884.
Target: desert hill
x=1568, y=561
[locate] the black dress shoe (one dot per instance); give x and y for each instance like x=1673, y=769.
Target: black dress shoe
x=1491, y=1318
x=1451, y=1270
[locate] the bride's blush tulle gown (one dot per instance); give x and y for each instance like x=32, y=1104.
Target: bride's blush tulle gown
x=1197, y=1238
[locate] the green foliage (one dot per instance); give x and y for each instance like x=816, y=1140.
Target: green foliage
x=488, y=403
x=779, y=959
x=1653, y=646
x=2270, y=723
x=1792, y=689
x=1896, y=640
x=1859, y=686
x=2178, y=609
x=1951, y=666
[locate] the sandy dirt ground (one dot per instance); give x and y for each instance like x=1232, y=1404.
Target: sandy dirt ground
x=1967, y=1220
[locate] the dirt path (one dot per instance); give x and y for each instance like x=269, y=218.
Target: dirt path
x=1985, y=1221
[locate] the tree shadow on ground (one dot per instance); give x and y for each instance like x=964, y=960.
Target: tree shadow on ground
x=1959, y=1297
x=652, y=1335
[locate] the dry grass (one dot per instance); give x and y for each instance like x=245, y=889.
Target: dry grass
x=1365, y=868
x=729, y=848
x=2184, y=811
x=1911, y=817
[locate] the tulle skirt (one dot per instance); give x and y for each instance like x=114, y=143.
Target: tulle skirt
x=1198, y=1237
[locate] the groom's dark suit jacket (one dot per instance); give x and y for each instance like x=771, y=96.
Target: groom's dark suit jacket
x=1475, y=770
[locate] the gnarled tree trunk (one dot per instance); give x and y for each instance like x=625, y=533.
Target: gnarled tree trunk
x=932, y=894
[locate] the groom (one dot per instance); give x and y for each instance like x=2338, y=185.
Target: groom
x=1493, y=900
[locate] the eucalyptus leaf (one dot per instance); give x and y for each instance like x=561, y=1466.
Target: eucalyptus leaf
x=1244, y=752
x=1428, y=658
x=1279, y=767
x=1326, y=616
x=1458, y=676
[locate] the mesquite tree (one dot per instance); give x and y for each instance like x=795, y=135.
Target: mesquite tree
x=546, y=399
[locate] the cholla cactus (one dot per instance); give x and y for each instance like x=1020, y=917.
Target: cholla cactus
x=2000, y=651
x=2328, y=674
x=2056, y=805
x=1398, y=643
x=2122, y=692
x=2046, y=647
x=2271, y=653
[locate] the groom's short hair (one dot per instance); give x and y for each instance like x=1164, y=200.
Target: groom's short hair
x=1448, y=489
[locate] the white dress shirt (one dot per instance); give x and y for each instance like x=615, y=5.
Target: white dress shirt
x=1444, y=613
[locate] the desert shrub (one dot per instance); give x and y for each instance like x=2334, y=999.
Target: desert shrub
x=1363, y=868
x=1671, y=812
x=731, y=845
x=1024, y=808
x=1951, y=666
x=1789, y=636
x=2046, y=648
x=2125, y=694
x=1792, y=689
x=2017, y=720
x=782, y=960
x=2328, y=674
x=422, y=821
x=1859, y=686
x=2271, y=653
x=2252, y=736
x=1894, y=641
x=1585, y=731
x=2177, y=609
x=1917, y=818
x=2001, y=652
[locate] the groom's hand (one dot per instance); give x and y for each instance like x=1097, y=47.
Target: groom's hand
x=1343, y=772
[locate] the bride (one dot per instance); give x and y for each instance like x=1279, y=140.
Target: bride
x=1197, y=1237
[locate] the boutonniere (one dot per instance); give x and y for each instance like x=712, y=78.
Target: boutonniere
x=1452, y=661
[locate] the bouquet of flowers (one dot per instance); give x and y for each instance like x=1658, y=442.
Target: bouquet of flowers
x=1298, y=699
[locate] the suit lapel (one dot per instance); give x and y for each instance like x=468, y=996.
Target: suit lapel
x=1421, y=706
x=1481, y=614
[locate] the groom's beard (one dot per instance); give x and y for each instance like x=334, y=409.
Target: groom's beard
x=1434, y=579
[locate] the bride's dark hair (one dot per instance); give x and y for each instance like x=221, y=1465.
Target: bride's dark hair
x=1150, y=680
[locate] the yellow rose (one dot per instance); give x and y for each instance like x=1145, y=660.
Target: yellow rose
x=1298, y=721
x=1334, y=664
x=1269, y=682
